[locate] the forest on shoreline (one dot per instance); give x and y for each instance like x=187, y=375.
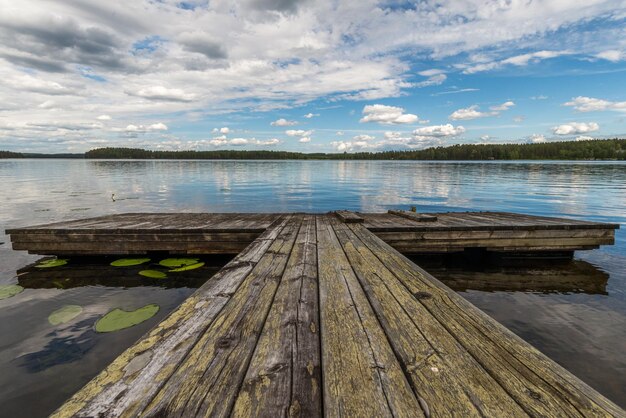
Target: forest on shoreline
x=606, y=149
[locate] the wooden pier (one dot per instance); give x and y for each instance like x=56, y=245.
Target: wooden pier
x=407, y=232
x=319, y=316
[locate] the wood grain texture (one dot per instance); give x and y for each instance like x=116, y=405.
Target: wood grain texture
x=317, y=317
x=206, y=382
x=441, y=371
x=417, y=217
x=539, y=385
x=362, y=376
x=348, y=217
x=134, y=378
x=219, y=233
x=284, y=376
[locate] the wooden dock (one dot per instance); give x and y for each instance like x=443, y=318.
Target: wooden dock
x=321, y=317
x=407, y=232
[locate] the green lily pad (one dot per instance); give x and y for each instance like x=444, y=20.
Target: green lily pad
x=64, y=314
x=178, y=262
x=118, y=319
x=125, y=262
x=153, y=274
x=56, y=262
x=10, y=290
x=189, y=267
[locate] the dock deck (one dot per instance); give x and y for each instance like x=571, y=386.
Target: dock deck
x=320, y=317
x=407, y=232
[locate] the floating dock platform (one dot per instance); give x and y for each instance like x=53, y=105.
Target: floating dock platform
x=230, y=233
x=319, y=315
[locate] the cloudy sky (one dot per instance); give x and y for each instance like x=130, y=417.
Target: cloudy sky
x=308, y=75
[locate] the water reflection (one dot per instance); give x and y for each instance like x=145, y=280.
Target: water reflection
x=98, y=272
x=42, y=363
x=532, y=276
x=574, y=314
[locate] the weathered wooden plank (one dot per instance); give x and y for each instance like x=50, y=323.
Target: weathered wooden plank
x=348, y=217
x=538, y=384
x=284, y=376
x=205, y=383
x=133, y=379
x=114, y=246
x=502, y=242
x=456, y=235
x=443, y=374
x=418, y=217
x=190, y=236
x=362, y=376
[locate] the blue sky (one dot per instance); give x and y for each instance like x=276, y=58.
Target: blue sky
x=309, y=76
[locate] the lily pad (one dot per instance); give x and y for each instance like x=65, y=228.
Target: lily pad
x=178, y=262
x=189, y=267
x=125, y=262
x=153, y=274
x=55, y=262
x=10, y=290
x=118, y=319
x=64, y=314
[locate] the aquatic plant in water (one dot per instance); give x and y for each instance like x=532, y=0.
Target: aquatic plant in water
x=189, y=267
x=153, y=274
x=10, y=290
x=56, y=262
x=118, y=319
x=64, y=314
x=178, y=262
x=126, y=262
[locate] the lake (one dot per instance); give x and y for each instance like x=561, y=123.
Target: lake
x=574, y=312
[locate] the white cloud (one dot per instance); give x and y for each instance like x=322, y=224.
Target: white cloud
x=539, y=97
x=348, y=146
x=363, y=138
x=298, y=132
x=160, y=93
x=34, y=84
x=504, y=106
x=519, y=119
x=584, y=138
x=305, y=139
x=387, y=115
x=224, y=130
x=84, y=59
x=435, y=78
x=104, y=117
x=158, y=127
x=537, y=138
x=283, y=122
x=446, y=130
x=143, y=129
x=574, y=128
x=240, y=142
x=311, y=115
x=469, y=113
x=590, y=104
x=472, y=112
x=517, y=60
x=392, y=135
x=612, y=55
x=48, y=104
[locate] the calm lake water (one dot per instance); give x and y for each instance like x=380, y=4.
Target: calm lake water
x=574, y=312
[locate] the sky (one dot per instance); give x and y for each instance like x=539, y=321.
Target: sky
x=308, y=75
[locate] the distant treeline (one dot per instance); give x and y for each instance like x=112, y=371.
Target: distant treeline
x=9, y=154
x=607, y=149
